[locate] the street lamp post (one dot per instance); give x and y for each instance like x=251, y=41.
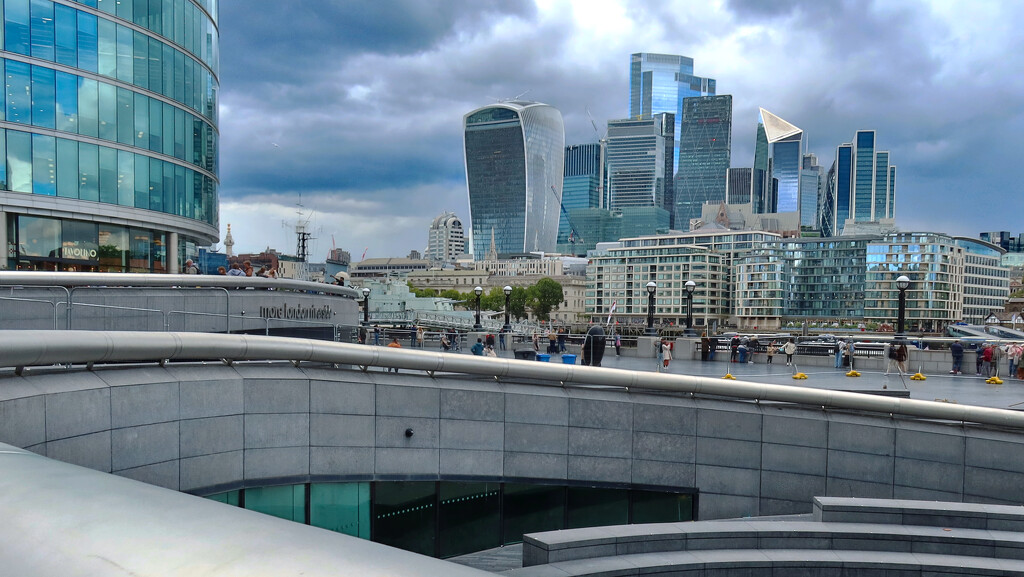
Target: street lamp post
x=902, y=283
x=508, y=298
x=366, y=306
x=690, y=287
x=652, y=287
x=478, y=291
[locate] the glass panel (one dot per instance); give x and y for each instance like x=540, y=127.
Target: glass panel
x=125, y=51
x=113, y=253
x=140, y=247
x=179, y=207
x=179, y=76
x=16, y=26
x=230, y=497
x=141, y=121
x=179, y=133
x=108, y=111
x=87, y=43
x=125, y=116
x=469, y=517
x=589, y=507
x=532, y=508
x=107, y=46
x=44, y=165
x=286, y=502
x=155, y=72
x=42, y=29
x=108, y=175
x=67, y=102
x=404, y=515
x=160, y=254
x=140, y=60
x=141, y=12
x=141, y=181
x=341, y=507
x=88, y=107
x=38, y=236
x=89, y=171
x=80, y=240
x=124, y=9
x=167, y=59
x=19, y=160
x=126, y=178
x=156, y=184
x=168, y=129
x=156, y=125
x=67, y=168
x=4, y=183
x=19, y=92
x=106, y=6
x=655, y=507
x=43, y=97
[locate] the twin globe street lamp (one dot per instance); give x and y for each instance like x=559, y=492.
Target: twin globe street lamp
x=652, y=287
x=478, y=291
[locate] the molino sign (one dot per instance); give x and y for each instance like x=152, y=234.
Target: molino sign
x=286, y=311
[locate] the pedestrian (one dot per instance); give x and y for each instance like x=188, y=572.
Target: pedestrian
x=445, y=343
x=235, y=270
x=478, y=348
x=978, y=360
x=659, y=349
x=712, y=347
x=840, y=349
x=222, y=271
x=618, y=344
x=419, y=337
x=997, y=356
x=1013, y=353
x=986, y=361
x=742, y=352
x=395, y=345
x=536, y=342
x=890, y=352
x=562, y=334
x=190, y=267
x=489, y=351
x=790, y=349
x=489, y=341
x=769, y=354
x=552, y=342
x=705, y=347
x=501, y=338
x=376, y=335
x=666, y=353
x=957, y=350
x=734, y=349
x=752, y=349
x=247, y=268
x=902, y=355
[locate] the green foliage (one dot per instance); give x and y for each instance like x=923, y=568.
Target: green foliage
x=517, y=304
x=422, y=293
x=544, y=297
x=451, y=294
x=1017, y=295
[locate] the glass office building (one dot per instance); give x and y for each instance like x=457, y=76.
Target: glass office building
x=108, y=129
x=581, y=189
x=514, y=163
x=779, y=154
x=705, y=148
x=639, y=157
x=864, y=186
x=986, y=280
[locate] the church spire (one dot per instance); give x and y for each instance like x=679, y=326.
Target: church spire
x=229, y=243
x=492, y=253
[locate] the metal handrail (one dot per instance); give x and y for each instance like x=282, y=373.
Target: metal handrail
x=98, y=279
x=34, y=347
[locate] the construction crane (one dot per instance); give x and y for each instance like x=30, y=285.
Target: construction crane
x=574, y=235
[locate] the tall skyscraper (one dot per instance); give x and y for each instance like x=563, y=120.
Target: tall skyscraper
x=108, y=149
x=704, y=156
x=445, y=239
x=737, y=185
x=639, y=157
x=811, y=181
x=778, y=154
x=864, y=184
x=514, y=162
x=659, y=83
x=581, y=188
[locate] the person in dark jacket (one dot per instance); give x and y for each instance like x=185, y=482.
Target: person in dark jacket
x=957, y=351
x=593, y=346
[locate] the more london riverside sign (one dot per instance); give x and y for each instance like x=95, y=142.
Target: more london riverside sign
x=302, y=312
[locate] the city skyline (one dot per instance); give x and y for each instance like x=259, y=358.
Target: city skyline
x=356, y=110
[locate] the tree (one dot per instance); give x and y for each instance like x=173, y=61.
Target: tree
x=544, y=297
x=517, y=302
x=493, y=300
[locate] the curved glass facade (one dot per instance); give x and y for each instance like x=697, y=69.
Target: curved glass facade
x=110, y=102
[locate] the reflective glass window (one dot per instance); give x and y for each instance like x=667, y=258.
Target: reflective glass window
x=125, y=116
x=19, y=92
x=87, y=42
x=4, y=183
x=126, y=178
x=140, y=60
x=38, y=236
x=88, y=107
x=167, y=58
x=125, y=52
x=44, y=165
x=167, y=18
x=168, y=129
x=532, y=508
x=113, y=257
x=140, y=250
x=168, y=188
x=106, y=6
x=156, y=125
x=179, y=134
x=141, y=121
x=469, y=517
x=43, y=97
x=107, y=111
x=655, y=507
x=125, y=9
x=42, y=29
x=156, y=184
x=107, y=47
x=19, y=160
x=179, y=76
x=141, y=182
x=79, y=240
x=180, y=207
x=154, y=16
x=156, y=78
x=108, y=175
x=404, y=515
x=286, y=502
x=140, y=12
x=88, y=171
x=67, y=168
x=66, y=86
x=341, y=507
x=17, y=36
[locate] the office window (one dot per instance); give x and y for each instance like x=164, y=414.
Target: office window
x=403, y=516
x=89, y=171
x=17, y=31
x=19, y=160
x=67, y=168
x=66, y=102
x=286, y=502
x=19, y=92
x=44, y=165
x=108, y=175
x=341, y=507
x=42, y=29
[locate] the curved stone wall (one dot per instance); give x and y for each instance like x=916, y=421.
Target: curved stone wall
x=205, y=428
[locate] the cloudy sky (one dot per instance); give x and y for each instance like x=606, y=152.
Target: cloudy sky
x=354, y=107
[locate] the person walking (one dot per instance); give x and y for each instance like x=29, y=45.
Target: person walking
x=419, y=337
x=901, y=356
x=712, y=347
x=395, y=345
x=666, y=353
x=986, y=361
x=889, y=351
x=1013, y=353
x=957, y=350
x=997, y=356
x=478, y=348
x=501, y=338
x=562, y=334
x=769, y=354
x=752, y=347
x=618, y=344
x=376, y=335
x=840, y=349
x=705, y=347
x=190, y=267
x=790, y=349
x=659, y=348
x=734, y=349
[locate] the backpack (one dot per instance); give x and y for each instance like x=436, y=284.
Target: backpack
x=893, y=352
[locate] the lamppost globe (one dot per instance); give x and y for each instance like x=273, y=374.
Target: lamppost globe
x=479, y=291
x=366, y=305
x=508, y=295
x=690, y=287
x=366, y=292
x=652, y=287
x=508, y=290
x=902, y=283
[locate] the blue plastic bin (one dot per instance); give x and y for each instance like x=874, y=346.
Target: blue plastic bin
x=569, y=359
x=543, y=358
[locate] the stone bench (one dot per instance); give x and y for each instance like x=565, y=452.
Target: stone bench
x=907, y=512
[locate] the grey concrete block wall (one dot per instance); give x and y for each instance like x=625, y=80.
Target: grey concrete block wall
x=206, y=428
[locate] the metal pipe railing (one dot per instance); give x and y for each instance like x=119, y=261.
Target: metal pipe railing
x=34, y=348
